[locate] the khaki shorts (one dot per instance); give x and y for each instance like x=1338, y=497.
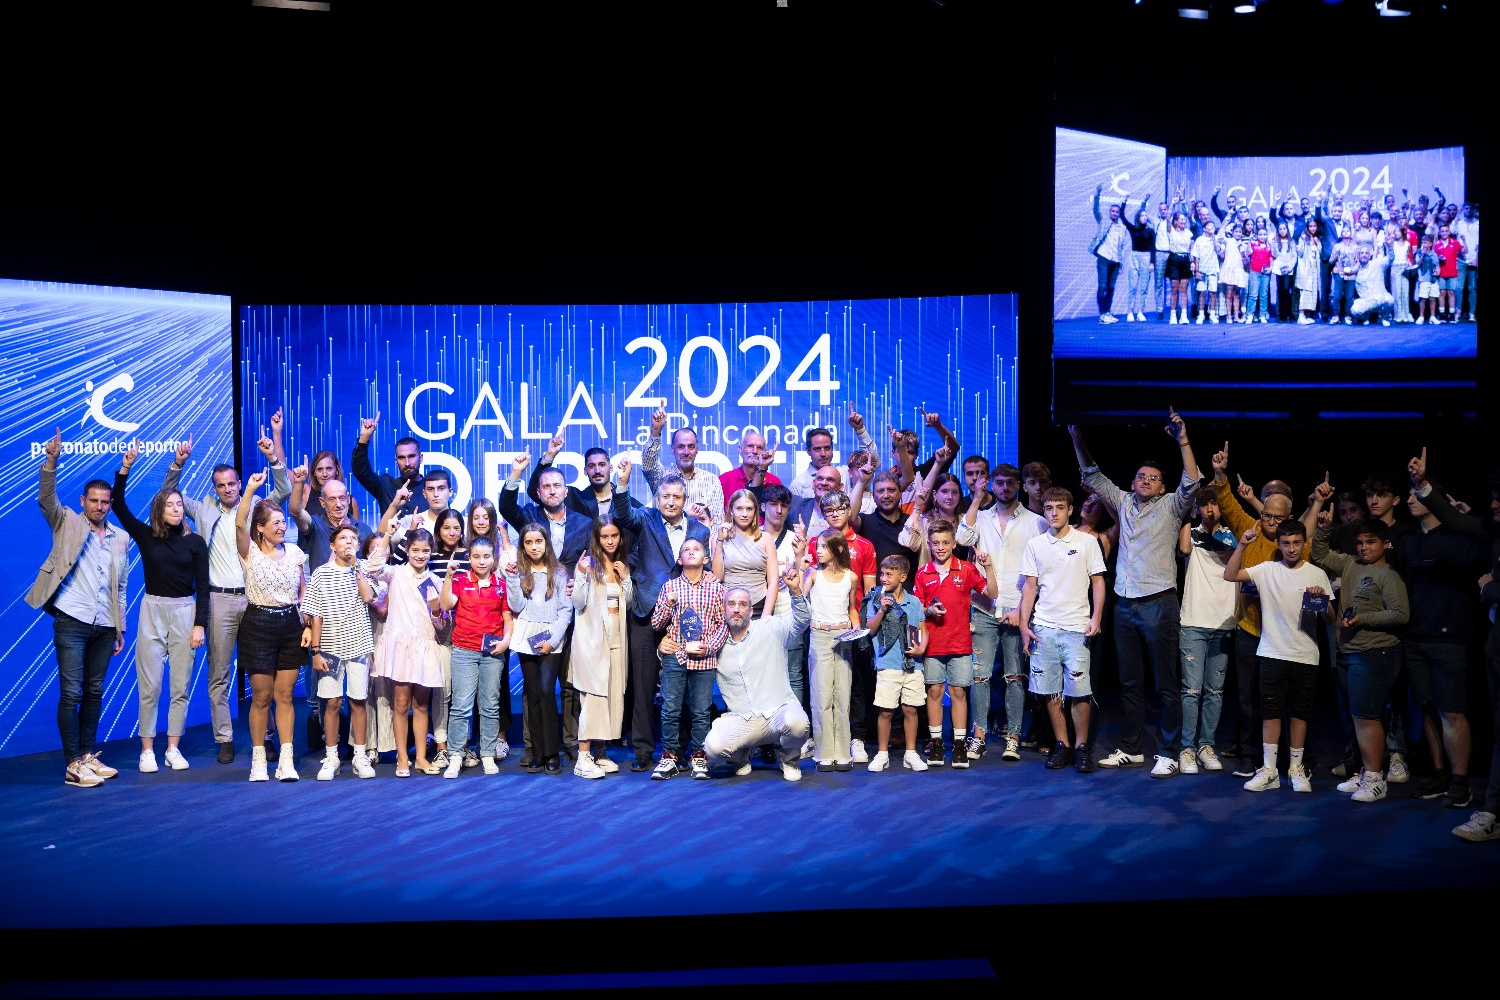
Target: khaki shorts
x=894, y=688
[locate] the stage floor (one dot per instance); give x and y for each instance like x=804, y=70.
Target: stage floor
x=204, y=846
x=1088, y=338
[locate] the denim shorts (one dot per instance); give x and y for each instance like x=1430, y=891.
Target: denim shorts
x=1436, y=671
x=1371, y=674
x=1454, y=284
x=1060, y=663
x=956, y=671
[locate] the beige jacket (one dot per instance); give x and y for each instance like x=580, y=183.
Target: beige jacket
x=70, y=530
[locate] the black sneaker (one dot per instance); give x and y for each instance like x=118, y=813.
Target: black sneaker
x=934, y=753
x=1434, y=786
x=527, y=759
x=1083, y=759
x=1459, y=796
x=975, y=749
x=767, y=754
x=226, y=753
x=640, y=764
x=1060, y=757
x=960, y=754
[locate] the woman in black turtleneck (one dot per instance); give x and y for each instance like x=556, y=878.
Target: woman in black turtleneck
x=173, y=614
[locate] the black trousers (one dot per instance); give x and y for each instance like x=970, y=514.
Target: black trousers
x=645, y=675
x=862, y=695
x=540, y=676
x=1247, y=690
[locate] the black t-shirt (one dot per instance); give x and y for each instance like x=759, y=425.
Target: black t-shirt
x=882, y=533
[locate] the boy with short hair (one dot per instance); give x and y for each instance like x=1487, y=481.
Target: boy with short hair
x=1293, y=594
x=343, y=644
x=943, y=586
x=688, y=666
x=1208, y=628
x=1062, y=574
x=889, y=613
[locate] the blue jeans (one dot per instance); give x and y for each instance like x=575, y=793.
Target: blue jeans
x=1146, y=629
x=1468, y=285
x=1371, y=673
x=986, y=637
x=480, y=675
x=83, y=653
x=1342, y=302
x=699, y=688
x=1258, y=294
x=1205, y=662
x=1109, y=272
x=796, y=669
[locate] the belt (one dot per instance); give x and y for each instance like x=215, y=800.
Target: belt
x=236, y=591
x=1150, y=597
x=285, y=609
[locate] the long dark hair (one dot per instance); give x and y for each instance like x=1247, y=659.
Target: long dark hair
x=524, y=565
x=481, y=503
x=942, y=480
x=838, y=547
x=597, y=556
x=159, y=526
x=438, y=548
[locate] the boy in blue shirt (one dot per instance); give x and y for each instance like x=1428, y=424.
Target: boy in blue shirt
x=890, y=612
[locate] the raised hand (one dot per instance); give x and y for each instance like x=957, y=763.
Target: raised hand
x=1458, y=505
x=1176, y=427
x=256, y=481
x=53, y=448
x=672, y=598
x=585, y=563
x=1324, y=491
x=856, y=419
x=403, y=494
x=1220, y=460
x=276, y=421
x=658, y=421
x=185, y=449
x=930, y=419
x=1250, y=535
x=1244, y=490
x=511, y=569
x=553, y=447
x=299, y=474
x=519, y=463
x=128, y=459
x=265, y=444
x=794, y=581
x=623, y=469
x=944, y=454
x=1417, y=469
x=367, y=427
x=725, y=530
x=982, y=557
x=867, y=471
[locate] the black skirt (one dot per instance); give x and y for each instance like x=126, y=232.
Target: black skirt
x=1179, y=267
x=270, y=640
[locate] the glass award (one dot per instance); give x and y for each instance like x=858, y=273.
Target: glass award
x=690, y=625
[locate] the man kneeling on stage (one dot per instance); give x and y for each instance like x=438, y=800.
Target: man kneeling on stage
x=753, y=681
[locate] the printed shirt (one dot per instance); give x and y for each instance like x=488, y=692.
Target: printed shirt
x=273, y=583
x=333, y=596
x=948, y=634
x=1448, y=252
x=480, y=610
x=705, y=597
x=1345, y=259
x=702, y=486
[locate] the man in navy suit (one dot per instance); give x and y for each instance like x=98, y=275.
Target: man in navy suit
x=659, y=533
x=570, y=533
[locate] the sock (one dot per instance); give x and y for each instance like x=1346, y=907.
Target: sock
x=1296, y=757
x=1268, y=750
x=359, y=748
x=332, y=751
x=958, y=737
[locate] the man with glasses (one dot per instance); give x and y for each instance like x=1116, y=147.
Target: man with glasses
x=1147, y=613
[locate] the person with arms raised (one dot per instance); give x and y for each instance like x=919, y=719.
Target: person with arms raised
x=383, y=486
x=704, y=494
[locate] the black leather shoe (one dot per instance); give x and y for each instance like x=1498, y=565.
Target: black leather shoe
x=527, y=759
x=1083, y=760
x=226, y=753
x=1060, y=757
x=641, y=764
x=552, y=765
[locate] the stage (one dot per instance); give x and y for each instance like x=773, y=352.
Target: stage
x=204, y=846
x=1088, y=338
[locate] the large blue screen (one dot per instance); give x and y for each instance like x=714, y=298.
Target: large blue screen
x=105, y=365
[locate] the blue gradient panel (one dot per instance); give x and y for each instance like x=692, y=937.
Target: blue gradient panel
x=1129, y=171
x=105, y=365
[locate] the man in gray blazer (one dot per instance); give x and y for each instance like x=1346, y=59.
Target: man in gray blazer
x=82, y=585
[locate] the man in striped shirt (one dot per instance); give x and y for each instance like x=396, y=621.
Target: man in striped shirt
x=1147, y=614
x=688, y=666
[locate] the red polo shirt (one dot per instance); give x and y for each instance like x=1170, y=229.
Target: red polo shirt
x=480, y=611
x=1447, y=252
x=735, y=480
x=949, y=635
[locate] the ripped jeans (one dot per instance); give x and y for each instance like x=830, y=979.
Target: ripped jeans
x=1205, y=661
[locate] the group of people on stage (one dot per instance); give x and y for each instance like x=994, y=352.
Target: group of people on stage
x=1349, y=261
x=823, y=610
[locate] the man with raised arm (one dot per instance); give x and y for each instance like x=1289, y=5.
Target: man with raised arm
x=214, y=518
x=819, y=445
x=1147, y=614
x=315, y=534
x=597, y=500
x=1110, y=246
x=82, y=586
x=758, y=699
x=659, y=533
x=751, y=474
x=702, y=487
x=383, y=486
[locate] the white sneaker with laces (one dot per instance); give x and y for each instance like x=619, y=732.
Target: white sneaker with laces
x=1397, y=774
x=330, y=767
x=1171, y=319
x=362, y=768
x=606, y=765
x=93, y=763
x=1165, y=767
x=80, y=775
x=1264, y=779
x=1371, y=787
x=174, y=759
x=586, y=768
x=1213, y=318
x=1200, y=319
x=456, y=765
x=502, y=750
x=1305, y=321
x=1184, y=319
x=1348, y=320
x=1421, y=320
x=1480, y=827
x=1187, y=762
x=148, y=762
x=285, y=769
x=857, y=752
x=1012, y=749
x=1208, y=759
x=1351, y=784
x=1122, y=759
x=1385, y=322
x=1264, y=320
x=489, y=765
x=880, y=761
x=1301, y=780
x=808, y=749
x=913, y=760
x=791, y=772
x=742, y=770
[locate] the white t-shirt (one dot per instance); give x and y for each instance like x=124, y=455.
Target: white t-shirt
x=1063, y=566
x=1208, y=598
x=1286, y=631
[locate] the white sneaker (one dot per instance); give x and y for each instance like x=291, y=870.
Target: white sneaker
x=808, y=749
x=174, y=759
x=606, y=765
x=258, y=764
x=880, y=761
x=80, y=775
x=1122, y=759
x=1184, y=317
x=1264, y=779
x=1348, y=320
x=1171, y=319
x=1264, y=320
x=1012, y=749
x=1213, y=318
x=1301, y=780
x=742, y=770
x=1200, y=319
x=1421, y=320
x=1435, y=321
x=1107, y=319
x=1187, y=762
x=1480, y=827
x=1305, y=321
x=586, y=768
x=489, y=765
x=502, y=751
x=1385, y=322
x=1208, y=760
x=1371, y=787
x=1351, y=784
x=1397, y=774
x=285, y=769
x=913, y=760
x=362, y=768
x=330, y=767
x=791, y=772
x=148, y=762
x=92, y=762
x=857, y=753
x=456, y=765
x=1165, y=767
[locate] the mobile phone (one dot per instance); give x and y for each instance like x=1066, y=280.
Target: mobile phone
x=1348, y=613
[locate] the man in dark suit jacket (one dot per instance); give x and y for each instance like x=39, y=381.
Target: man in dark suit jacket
x=659, y=534
x=383, y=486
x=598, y=500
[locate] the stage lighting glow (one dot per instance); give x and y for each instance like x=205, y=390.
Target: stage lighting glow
x=1244, y=8
x=1386, y=10
x=1193, y=13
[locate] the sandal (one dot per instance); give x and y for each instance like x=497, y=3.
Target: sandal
x=403, y=770
x=427, y=767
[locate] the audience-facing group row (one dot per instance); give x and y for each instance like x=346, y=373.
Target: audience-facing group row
x=822, y=610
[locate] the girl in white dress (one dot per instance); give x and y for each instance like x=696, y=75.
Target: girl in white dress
x=834, y=608
x=602, y=590
x=407, y=652
x=1232, y=276
x=1309, y=271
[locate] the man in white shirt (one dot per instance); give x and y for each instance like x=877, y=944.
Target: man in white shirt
x=1002, y=530
x=1207, y=633
x=1467, y=230
x=819, y=445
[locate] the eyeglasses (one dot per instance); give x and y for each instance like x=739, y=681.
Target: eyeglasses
x=1147, y=477
x=1274, y=519
x=835, y=510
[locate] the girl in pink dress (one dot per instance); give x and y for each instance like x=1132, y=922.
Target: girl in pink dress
x=407, y=652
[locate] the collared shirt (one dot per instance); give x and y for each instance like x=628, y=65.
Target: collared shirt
x=949, y=634
x=224, y=568
x=480, y=610
x=676, y=534
x=734, y=480
x=1004, y=543
x=705, y=597
x=84, y=593
x=1064, y=567
x=702, y=486
x=801, y=484
x=1148, y=533
x=752, y=669
x=1467, y=230
x=1163, y=234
